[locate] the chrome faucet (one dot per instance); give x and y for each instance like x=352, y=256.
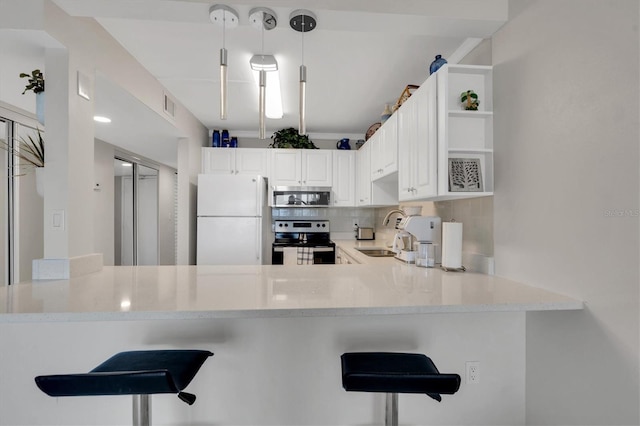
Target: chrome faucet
x=385, y=221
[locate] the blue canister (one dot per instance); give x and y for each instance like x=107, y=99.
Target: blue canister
x=225, y=139
x=234, y=142
x=215, y=140
x=436, y=64
x=343, y=144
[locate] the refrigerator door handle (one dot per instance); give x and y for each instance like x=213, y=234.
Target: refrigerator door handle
x=258, y=197
x=258, y=242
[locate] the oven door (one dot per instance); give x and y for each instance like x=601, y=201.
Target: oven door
x=322, y=255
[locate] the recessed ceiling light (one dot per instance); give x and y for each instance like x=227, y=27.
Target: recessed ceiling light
x=101, y=119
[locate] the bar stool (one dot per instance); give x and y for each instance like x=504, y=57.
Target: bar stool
x=394, y=373
x=137, y=373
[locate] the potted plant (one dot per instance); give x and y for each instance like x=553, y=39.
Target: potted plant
x=36, y=84
x=29, y=152
x=469, y=100
x=36, y=81
x=290, y=138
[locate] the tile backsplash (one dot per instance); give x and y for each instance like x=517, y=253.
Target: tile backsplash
x=342, y=219
x=476, y=214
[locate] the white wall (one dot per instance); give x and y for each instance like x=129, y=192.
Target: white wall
x=271, y=371
x=103, y=213
x=566, y=81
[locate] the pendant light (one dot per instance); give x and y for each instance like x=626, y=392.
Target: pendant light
x=227, y=18
x=302, y=21
x=264, y=19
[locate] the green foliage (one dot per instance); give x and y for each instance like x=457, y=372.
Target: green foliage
x=36, y=81
x=469, y=100
x=29, y=151
x=290, y=138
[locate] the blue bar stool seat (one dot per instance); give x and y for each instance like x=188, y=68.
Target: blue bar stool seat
x=393, y=373
x=137, y=373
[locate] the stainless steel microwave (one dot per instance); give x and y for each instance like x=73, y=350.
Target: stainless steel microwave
x=301, y=196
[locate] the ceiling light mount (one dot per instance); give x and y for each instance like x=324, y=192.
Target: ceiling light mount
x=303, y=20
x=263, y=18
x=223, y=15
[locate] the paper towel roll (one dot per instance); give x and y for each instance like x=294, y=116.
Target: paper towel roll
x=452, y=245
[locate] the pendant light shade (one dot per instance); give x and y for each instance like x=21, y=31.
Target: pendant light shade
x=302, y=21
x=227, y=18
x=261, y=104
x=223, y=84
x=264, y=19
x=302, y=126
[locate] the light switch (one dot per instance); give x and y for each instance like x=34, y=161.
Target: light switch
x=58, y=219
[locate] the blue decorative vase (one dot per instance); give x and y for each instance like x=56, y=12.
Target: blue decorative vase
x=436, y=64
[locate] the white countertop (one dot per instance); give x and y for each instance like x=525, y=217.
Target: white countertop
x=382, y=286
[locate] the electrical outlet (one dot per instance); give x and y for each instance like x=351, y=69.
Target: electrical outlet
x=473, y=371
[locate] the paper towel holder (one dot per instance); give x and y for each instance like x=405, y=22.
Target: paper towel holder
x=449, y=268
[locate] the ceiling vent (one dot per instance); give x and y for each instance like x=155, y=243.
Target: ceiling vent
x=169, y=106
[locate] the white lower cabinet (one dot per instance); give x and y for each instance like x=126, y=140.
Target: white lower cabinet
x=248, y=161
x=342, y=258
x=301, y=167
x=344, y=179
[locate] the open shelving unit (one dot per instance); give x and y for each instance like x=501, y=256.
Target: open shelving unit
x=461, y=133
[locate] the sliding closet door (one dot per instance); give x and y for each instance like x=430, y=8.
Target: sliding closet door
x=123, y=213
x=135, y=214
x=4, y=206
x=147, y=218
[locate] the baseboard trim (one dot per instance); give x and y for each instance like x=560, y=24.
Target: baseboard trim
x=64, y=269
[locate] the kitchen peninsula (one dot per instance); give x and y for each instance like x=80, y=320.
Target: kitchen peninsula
x=277, y=333
x=206, y=292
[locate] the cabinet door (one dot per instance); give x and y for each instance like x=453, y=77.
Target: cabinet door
x=317, y=167
x=286, y=167
x=344, y=178
x=425, y=161
x=407, y=117
x=375, y=153
x=363, y=173
x=218, y=161
x=389, y=147
x=252, y=161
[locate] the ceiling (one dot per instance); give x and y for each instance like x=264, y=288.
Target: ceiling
x=361, y=56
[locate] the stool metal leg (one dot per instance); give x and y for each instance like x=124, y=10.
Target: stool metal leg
x=141, y=410
x=391, y=410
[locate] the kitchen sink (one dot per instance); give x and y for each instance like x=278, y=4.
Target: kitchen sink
x=376, y=252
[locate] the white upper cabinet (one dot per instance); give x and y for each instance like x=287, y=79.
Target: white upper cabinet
x=344, y=178
x=384, y=149
x=363, y=175
x=417, y=144
x=301, y=167
x=249, y=161
x=465, y=138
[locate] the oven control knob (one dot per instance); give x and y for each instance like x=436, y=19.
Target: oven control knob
x=286, y=225
x=323, y=225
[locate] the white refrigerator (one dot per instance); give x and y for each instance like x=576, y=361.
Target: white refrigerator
x=234, y=221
